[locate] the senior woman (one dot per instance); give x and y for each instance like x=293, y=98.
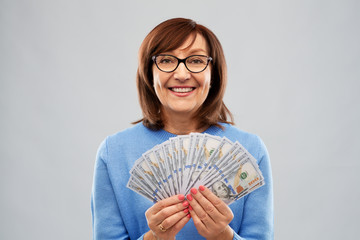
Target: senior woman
x=181, y=81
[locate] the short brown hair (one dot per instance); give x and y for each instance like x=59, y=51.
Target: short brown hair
x=170, y=35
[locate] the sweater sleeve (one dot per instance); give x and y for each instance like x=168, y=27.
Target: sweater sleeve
x=107, y=222
x=258, y=214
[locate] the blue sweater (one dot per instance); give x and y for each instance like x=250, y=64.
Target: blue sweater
x=119, y=213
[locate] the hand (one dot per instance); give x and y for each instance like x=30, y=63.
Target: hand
x=167, y=217
x=210, y=214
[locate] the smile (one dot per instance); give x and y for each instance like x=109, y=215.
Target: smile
x=182, y=90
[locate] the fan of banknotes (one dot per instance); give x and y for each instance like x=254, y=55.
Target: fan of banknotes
x=187, y=161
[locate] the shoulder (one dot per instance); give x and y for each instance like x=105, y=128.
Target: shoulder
x=131, y=134
x=235, y=134
x=132, y=141
x=120, y=140
x=252, y=142
x=134, y=137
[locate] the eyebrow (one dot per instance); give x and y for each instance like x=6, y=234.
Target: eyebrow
x=197, y=50
x=192, y=51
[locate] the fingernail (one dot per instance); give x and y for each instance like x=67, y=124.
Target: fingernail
x=189, y=197
x=202, y=188
x=188, y=216
x=181, y=197
x=190, y=208
x=193, y=191
x=186, y=203
x=186, y=210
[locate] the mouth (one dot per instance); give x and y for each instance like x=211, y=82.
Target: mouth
x=182, y=89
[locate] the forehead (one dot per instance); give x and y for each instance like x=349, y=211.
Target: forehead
x=194, y=43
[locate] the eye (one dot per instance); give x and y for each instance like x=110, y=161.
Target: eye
x=196, y=60
x=165, y=60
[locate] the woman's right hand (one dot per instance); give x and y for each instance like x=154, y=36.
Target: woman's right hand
x=167, y=217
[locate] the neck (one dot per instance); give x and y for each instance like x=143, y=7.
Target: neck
x=181, y=123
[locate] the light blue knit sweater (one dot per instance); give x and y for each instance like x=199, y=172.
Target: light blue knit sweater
x=119, y=213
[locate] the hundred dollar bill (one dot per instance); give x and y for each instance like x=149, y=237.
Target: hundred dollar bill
x=228, y=158
x=172, y=178
x=244, y=193
x=146, y=182
x=137, y=186
x=191, y=160
x=224, y=149
x=234, y=181
x=197, y=158
x=143, y=171
x=159, y=158
x=210, y=149
x=148, y=186
x=157, y=167
x=174, y=150
x=184, y=142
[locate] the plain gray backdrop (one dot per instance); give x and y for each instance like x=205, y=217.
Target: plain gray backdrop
x=67, y=71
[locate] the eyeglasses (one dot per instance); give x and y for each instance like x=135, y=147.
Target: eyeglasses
x=193, y=63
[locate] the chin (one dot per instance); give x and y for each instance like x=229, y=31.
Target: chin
x=182, y=109
x=186, y=110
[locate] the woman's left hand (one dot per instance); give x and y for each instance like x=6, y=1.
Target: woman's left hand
x=210, y=214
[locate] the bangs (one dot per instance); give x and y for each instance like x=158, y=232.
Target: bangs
x=172, y=38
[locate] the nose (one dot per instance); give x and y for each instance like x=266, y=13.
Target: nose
x=181, y=73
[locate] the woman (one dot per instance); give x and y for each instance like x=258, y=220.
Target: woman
x=181, y=80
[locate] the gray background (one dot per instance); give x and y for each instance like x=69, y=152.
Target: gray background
x=67, y=71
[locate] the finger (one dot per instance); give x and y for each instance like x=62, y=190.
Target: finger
x=206, y=205
x=172, y=220
x=216, y=202
x=169, y=211
x=167, y=202
x=197, y=222
x=200, y=212
x=180, y=224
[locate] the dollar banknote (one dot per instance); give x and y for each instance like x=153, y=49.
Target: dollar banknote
x=187, y=161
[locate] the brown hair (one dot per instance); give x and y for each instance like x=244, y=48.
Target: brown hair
x=170, y=35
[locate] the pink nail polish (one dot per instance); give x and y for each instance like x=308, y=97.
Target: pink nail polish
x=193, y=191
x=202, y=188
x=190, y=208
x=185, y=204
x=189, y=197
x=181, y=197
x=186, y=210
x=188, y=216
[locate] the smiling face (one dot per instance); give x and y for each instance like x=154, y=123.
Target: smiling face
x=181, y=91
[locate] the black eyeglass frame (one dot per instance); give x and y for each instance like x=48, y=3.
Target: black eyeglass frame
x=209, y=59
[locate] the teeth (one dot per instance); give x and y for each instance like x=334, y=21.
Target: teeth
x=182, y=90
